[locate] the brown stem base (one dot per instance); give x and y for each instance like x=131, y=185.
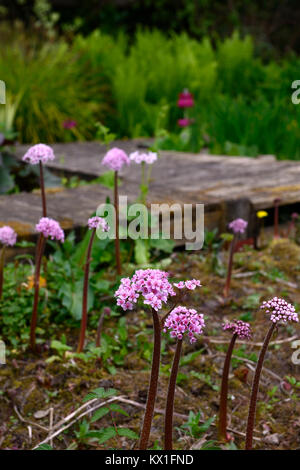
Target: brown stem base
x=145, y=433
x=170, y=398
x=255, y=387
x=222, y=425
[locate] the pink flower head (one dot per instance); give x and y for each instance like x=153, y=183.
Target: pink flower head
x=184, y=122
x=295, y=215
x=240, y=328
x=50, y=228
x=280, y=310
x=185, y=100
x=8, y=236
x=69, y=124
x=98, y=222
x=238, y=225
x=151, y=284
x=149, y=157
x=115, y=159
x=38, y=153
x=191, y=285
x=182, y=320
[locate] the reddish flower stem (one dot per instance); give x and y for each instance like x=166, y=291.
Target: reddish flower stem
x=152, y=390
x=117, y=240
x=85, y=293
x=1, y=270
x=39, y=255
x=170, y=398
x=255, y=387
x=43, y=190
x=229, y=269
x=222, y=425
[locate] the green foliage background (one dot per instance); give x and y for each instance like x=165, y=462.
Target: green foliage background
x=243, y=103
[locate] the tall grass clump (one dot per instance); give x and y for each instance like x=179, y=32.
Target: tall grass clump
x=48, y=86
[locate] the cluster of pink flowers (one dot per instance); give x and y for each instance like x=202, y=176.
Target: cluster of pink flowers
x=182, y=320
x=50, y=228
x=191, y=285
x=69, y=124
x=185, y=100
x=240, y=328
x=98, y=222
x=138, y=157
x=238, y=225
x=152, y=284
x=184, y=122
x=115, y=159
x=280, y=310
x=39, y=153
x=8, y=236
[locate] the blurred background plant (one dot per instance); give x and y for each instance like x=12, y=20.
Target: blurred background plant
x=67, y=70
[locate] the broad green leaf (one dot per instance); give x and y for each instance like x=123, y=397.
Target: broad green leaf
x=127, y=433
x=44, y=447
x=99, y=414
x=118, y=409
x=100, y=393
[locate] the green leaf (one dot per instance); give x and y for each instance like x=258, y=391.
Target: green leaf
x=167, y=246
x=127, y=433
x=59, y=346
x=100, y=393
x=116, y=408
x=44, y=447
x=103, y=435
x=141, y=251
x=189, y=357
x=99, y=414
x=107, y=179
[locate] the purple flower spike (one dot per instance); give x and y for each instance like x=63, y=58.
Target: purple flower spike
x=280, y=310
x=185, y=100
x=38, y=153
x=238, y=226
x=115, y=159
x=50, y=228
x=240, y=328
x=8, y=236
x=182, y=320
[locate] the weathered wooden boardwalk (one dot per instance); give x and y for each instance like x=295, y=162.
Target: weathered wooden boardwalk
x=229, y=187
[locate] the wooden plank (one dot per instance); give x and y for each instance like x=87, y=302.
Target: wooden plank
x=228, y=186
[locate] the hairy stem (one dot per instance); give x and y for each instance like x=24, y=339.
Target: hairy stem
x=170, y=398
x=255, y=387
x=229, y=269
x=43, y=190
x=39, y=255
x=222, y=425
x=117, y=240
x=145, y=433
x=2, y=254
x=85, y=293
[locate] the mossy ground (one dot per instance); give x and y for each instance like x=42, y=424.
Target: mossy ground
x=29, y=384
